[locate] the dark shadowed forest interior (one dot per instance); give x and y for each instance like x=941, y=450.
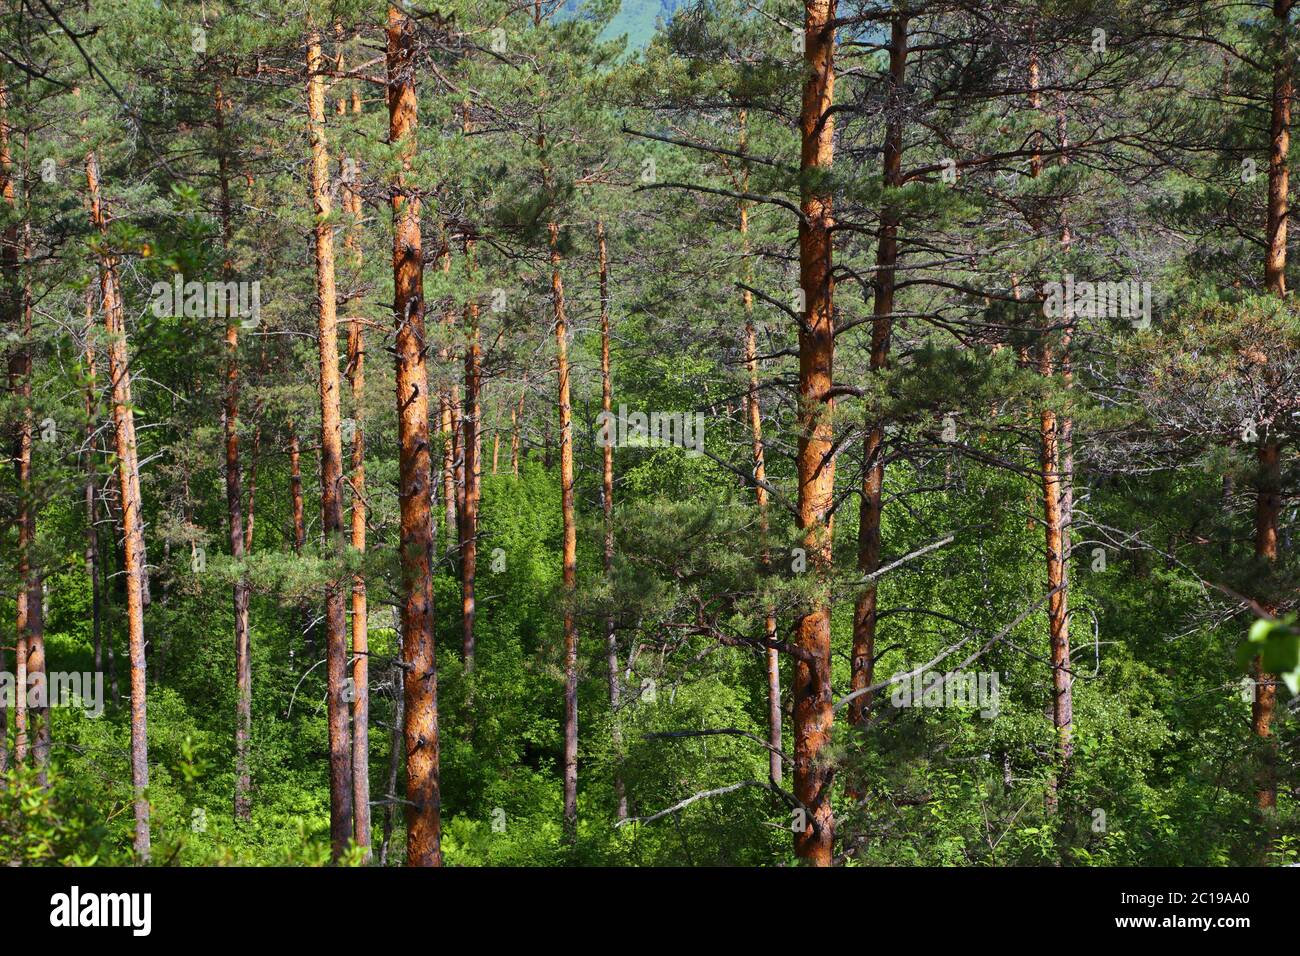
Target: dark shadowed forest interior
x=684, y=433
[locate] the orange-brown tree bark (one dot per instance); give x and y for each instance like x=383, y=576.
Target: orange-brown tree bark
x=360, y=633
x=128, y=470
x=1267, y=491
x=336, y=651
x=569, y=554
x=815, y=461
x=420, y=680
x=607, y=506
x=470, y=442
x=882, y=324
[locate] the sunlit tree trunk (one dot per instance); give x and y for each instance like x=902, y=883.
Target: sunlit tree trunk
x=360, y=633
x=336, y=651
x=420, y=680
x=132, y=520
x=569, y=555
x=815, y=461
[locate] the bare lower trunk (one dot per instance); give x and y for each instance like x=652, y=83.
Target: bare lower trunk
x=336, y=650
x=234, y=496
x=128, y=471
x=1057, y=605
x=360, y=633
x=873, y=463
x=424, y=828
x=471, y=445
x=570, y=552
x=1267, y=500
x=516, y=421
x=771, y=662
x=607, y=506
x=815, y=462
x=395, y=741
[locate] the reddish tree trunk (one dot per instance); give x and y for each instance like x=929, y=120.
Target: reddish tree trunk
x=570, y=550
x=1267, y=500
x=336, y=650
x=470, y=442
x=423, y=847
x=873, y=464
x=128, y=471
x=815, y=462
x=360, y=633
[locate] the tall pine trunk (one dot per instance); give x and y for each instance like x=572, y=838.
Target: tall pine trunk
x=470, y=442
x=771, y=660
x=360, y=633
x=569, y=555
x=234, y=494
x=607, y=506
x=128, y=472
x=424, y=828
x=815, y=462
x=331, y=471
x=873, y=464
x=1267, y=491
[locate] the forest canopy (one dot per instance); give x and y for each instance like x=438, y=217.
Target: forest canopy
x=720, y=432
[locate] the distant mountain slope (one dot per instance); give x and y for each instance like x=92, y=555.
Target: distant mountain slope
x=637, y=18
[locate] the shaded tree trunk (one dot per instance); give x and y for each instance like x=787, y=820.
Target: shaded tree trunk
x=468, y=527
x=234, y=494
x=607, y=506
x=873, y=451
x=771, y=660
x=1267, y=492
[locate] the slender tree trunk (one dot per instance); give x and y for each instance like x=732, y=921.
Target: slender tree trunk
x=295, y=489
x=395, y=741
x=470, y=442
x=39, y=711
x=234, y=494
x=815, y=461
x=1268, y=506
x=771, y=660
x=570, y=551
x=253, y=458
x=336, y=650
x=1280, y=145
x=1057, y=607
x=607, y=505
x=873, y=463
x=360, y=633
x=19, y=370
x=447, y=400
x=424, y=828
x=516, y=422
x=128, y=472
x=1267, y=492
